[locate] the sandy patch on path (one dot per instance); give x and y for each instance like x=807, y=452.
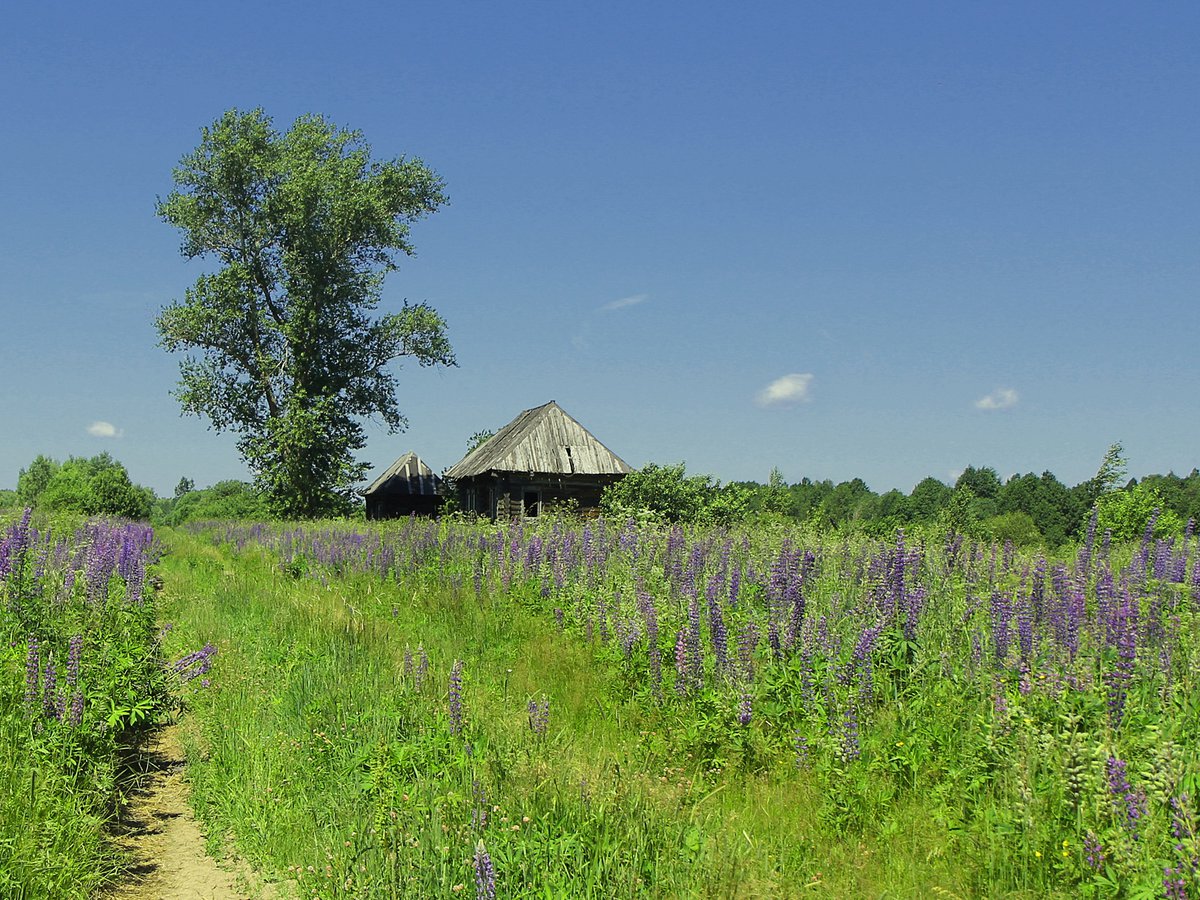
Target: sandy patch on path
x=159, y=830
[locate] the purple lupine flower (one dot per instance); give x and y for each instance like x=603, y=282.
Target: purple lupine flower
x=695, y=651
x=627, y=636
x=695, y=564
x=773, y=637
x=793, y=599
x=850, y=749
x=747, y=644
x=801, y=746
x=717, y=629
x=1130, y=804
x=74, y=651
x=485, y=874
x=559, y=618
x=745, y=706
x=976, y=650
x=1073, y=621
x=602, y=617
x=653, y=651
x=1122, y=633
x=1025, y=613
x=76, y=715
x=408, y=662
x=539, y=716
x=1174, y=882
x=1093, y=851
x=455, y=697
x=682, y=685
x=1000, y=705
x=479, y=815
x=33, y=672
x=195, y=664
x=1001, y=613
x=422, y=667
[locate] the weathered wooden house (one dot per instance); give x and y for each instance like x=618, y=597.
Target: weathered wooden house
x=406, y=487
x=541, y=458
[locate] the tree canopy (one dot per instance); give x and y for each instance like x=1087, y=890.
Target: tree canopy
x=284, y=346
x=96, y=486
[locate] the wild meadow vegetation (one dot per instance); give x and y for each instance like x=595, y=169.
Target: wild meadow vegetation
x=81, y=676
x=610, y=709
x=705, y=694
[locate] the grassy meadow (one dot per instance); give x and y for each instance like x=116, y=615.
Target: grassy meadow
x=553, y=709
x=593, y=709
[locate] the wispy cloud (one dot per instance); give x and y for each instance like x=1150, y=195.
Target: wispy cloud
x=104, y=430
x=631, y=300
x=786, y=390
x=1001, y=398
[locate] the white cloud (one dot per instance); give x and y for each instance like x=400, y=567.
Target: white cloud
x=1001, y=398
x=632, y=300
x=788, y=389
x=104, y=430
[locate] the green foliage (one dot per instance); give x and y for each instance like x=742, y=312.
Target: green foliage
x=775, y=498
x=1125, y=513
x=1053, y=508
x=32, y=481
x=7, y=498
x=288, y=350
x=928, y=499
x=1181, y=495
x=1017, y=527
x=224, y=501
x=478, y=439
x=1113, y=469
x=960, y=515
x=846, y=502
x=666, y=493
x=983, y=482
x=96, y=486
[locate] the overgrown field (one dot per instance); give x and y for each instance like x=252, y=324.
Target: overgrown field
x=81, y=674
x=607, y=710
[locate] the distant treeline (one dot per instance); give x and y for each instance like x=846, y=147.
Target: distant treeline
x=1028, y=510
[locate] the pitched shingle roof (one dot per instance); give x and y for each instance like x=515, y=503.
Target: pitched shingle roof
x=407, y=475
x=543, y=439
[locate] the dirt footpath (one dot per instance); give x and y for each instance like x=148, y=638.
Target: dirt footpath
x=158, y=828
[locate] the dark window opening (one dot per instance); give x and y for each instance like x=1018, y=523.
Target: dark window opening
x=531, y=503
x=570, y=460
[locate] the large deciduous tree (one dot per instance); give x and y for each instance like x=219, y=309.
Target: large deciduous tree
x=284, y=344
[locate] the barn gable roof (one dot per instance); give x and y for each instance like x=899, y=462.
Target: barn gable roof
x=407, y=475
x=545, y=440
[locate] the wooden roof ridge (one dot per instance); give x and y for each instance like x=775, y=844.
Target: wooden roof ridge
x=408, y=467
x=543, y=439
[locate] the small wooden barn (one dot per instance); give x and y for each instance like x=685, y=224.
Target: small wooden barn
x=540, y=458
x=406, y=487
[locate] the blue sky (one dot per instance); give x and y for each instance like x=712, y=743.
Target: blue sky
x=874, y=240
